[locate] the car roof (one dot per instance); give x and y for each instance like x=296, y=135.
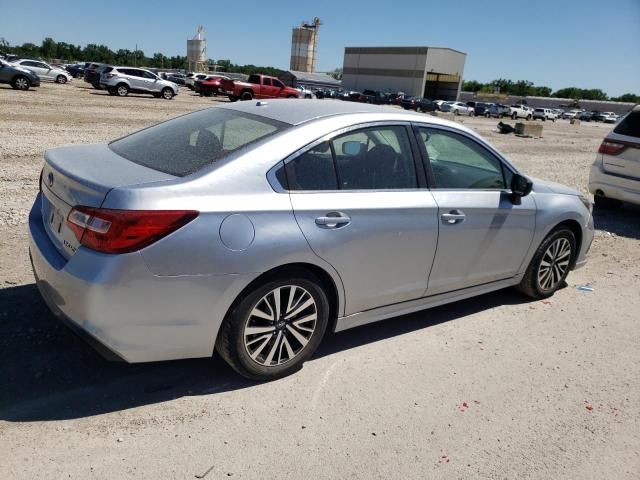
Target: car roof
x=297, y=111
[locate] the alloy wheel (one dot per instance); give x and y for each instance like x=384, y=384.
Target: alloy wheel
x=280, y=325
x=22, y=83
x=554, y=264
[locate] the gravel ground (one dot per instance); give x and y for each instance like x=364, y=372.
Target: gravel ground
x=493, y=387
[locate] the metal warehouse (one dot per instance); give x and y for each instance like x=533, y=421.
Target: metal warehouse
x=431, y=72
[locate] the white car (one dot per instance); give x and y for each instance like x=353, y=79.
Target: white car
x=44, y=70
x=304, y=92
x=615, y=175
x=457, y=108
x=520, y=111
x=545, y=114
x=571, y=114
x=609, y=117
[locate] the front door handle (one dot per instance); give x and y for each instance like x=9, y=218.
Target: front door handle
x=333, y=220
x=453, y=217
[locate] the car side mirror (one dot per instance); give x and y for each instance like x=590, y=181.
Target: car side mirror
x=521, y=186
x=351, y=148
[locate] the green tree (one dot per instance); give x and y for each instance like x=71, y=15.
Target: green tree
x=337, y=74
x=472, y=86
x=627, y=97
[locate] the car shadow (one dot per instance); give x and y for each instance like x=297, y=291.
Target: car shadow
x=623, y=221
x=48, y=373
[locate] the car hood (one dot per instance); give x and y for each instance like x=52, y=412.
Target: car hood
x=544, y=186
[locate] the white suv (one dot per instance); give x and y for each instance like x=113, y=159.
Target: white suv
x=545, y=114
x=615, y=175
x=122, y=80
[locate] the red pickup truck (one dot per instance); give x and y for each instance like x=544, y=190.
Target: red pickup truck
x=257, y=86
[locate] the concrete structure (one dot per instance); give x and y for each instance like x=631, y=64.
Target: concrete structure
x=430, y=72
x=294, y=78
x=304, y=46
x=197, y=52
x=619, y=108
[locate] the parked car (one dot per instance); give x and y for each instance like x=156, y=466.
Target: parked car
x=304, y=92
x=439, y=104
x=609, y=117
x=248, y=229
x=258, y=86
x=571, y=114
x=197, y=82
x=373, y=96
x=481, y=109
x=457, y=108
x=585, y=116
x=44, y=71
x=498, y=110
x=520, y=111
x=615, y=174
x=121, y=81
x=212, y=86
x=544, y=114
x=76, y=70
x=419, y=104
x=19, y=78
x=93, y=72
x=177, y=78
x=597, y=116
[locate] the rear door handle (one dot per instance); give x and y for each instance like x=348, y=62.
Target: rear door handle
x=453, y=217
x=333, y=220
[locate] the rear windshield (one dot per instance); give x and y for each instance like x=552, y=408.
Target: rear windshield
x=186, y=144
x=630, y=125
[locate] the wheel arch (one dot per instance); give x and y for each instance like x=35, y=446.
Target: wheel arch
x=576, y=229
x=331, y=285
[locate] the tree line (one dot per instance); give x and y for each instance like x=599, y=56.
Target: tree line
x=523, y=88
x=64, y=52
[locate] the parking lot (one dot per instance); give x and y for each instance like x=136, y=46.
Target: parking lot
x=492, y=387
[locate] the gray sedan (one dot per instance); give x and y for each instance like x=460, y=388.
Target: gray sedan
x=254, y=228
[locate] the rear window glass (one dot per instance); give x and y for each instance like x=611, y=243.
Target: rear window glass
x=191, y=142
x=630, y=125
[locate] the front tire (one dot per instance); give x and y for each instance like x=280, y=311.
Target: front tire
x=273, y=329
x=21, y=82
x=246, y=96
x=514, y=116
x=550, y=264
x=167, y=93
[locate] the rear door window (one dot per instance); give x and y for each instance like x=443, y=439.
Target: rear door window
x=630, y=125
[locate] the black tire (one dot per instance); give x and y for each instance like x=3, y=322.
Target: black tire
x=233, y=98
x=514, y=116
x=530, y=283
x=606, y=203
x=96, y=85
x=61, y=79
x=20, y=82
x=246, y=96
x=456, y=112
x=528, y=117
x=122, y=90
x=230, y=343
x=292, y=96
x=167, y=93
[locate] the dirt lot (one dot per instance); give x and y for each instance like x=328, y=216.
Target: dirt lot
x=493, y=387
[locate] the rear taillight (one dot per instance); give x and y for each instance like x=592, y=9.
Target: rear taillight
x=611, y=148
x=124, y=231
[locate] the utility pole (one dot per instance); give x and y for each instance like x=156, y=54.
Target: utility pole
x=135, y=56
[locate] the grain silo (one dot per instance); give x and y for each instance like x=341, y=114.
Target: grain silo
x=197, y=52
x=304, y=46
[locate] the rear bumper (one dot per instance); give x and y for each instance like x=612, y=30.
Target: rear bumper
x=116, y=302
x=614, y=186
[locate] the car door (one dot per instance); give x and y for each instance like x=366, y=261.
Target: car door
x=35, y=67
x=135, y=79
x=267, y=90
x=278, y=88
x=363, y=207
x=149, y=81
x=484, y=236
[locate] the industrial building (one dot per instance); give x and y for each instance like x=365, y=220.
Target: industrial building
x=197, y=52
x=431, y=72
x=304, y=46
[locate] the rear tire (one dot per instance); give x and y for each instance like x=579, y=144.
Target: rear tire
x=295, y=338
x=61, y=79
x=122, y=90
x=550, y=265
x=20, y=82
x=233, y=98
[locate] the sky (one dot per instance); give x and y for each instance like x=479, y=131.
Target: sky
x=559, y=43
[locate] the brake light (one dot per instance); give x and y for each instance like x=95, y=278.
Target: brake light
x=124, y=231
x=611, y=148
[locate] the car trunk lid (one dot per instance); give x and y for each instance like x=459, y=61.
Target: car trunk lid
x=83, y=175
x=627, y=161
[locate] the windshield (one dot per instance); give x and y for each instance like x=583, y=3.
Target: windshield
x=189, y=143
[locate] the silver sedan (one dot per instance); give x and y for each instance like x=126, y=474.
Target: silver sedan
x=254, y=228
